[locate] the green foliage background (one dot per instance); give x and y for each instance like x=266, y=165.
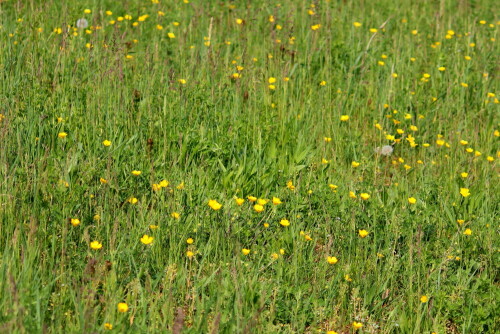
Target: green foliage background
x=224, y=137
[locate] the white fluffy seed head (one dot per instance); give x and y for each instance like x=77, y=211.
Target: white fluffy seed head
x=384, y=150
x=82, y=23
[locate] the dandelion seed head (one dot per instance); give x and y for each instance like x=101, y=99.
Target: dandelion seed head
x=82, y=23
x=385, y=150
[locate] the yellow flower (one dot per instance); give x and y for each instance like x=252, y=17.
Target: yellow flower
x=464, y=192
x=468, y=231
x=214, y=204
x=87, y=11
x=106, y=143
x=352, y=194
x=412, y=200
x=344, y=118
x=252, y=198
x=357, y=24
x=276, y=201
x=95, y=245
x=271, y=80
x=364, y=196
x=132, y=200
x=189, y=241
x=245, y=251
x=171, y=35
x=363, y=233
x=327, y=139
x=258, y=208
x=75, y=221
x=357, y=325
x=62, y=135
x=108, y=326
x=442, y=68
x=239, y=201
x=175, y=215
x=284, y=222
x=424, y=299
x=262, y=201
x=239, y=21
x=146, y=239
x=316, y=27
x=440, y=142
x=189, y=254
x=332, y=260
x=122, y=307
x=460, y=221
x=331, y=332
x=373, y=30
x=182, y=81
x=275, y=256
x=290, y=185
x=355, y=164
x=136, y=172
x=463, y=84
x=163, y=184
x=324, y=161
x=464, y=174
x=333, y=187
x=153, y=227
x=322, y=83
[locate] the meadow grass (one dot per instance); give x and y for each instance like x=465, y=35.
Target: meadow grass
x=272, y=113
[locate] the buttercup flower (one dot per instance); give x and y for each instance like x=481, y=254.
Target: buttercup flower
x=364, y=196
x=95, y=245
x=258, y=208
x=146, y=239
x=122, y=307
x=363, y=233
x=276, y=201
x=214, y=204
x=357, y=325
x=284, y=222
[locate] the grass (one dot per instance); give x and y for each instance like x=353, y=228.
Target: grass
x=247, y=100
